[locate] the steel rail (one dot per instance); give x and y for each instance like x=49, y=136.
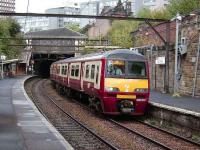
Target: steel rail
x=35, y=99
x=143, y=136
x=79, y=16
x=79, y=123
x=158, y=143
x=155, y=127
x=168, y=132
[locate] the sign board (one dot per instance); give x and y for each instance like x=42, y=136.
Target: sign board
x=2, y=57
x=160, y=60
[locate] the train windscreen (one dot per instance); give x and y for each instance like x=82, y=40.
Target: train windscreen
x=125, y=69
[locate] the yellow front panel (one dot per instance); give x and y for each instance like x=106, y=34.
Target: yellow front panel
x=126, y=85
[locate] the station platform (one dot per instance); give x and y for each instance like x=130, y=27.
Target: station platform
x=22, y=127
x=183, y=104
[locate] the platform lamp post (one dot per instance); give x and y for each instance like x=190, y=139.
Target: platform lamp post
x=3, y=57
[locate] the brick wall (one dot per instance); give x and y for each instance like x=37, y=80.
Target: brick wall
x=100, y=28
x=188, y=61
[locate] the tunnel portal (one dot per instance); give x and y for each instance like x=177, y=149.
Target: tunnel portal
x=42, y=63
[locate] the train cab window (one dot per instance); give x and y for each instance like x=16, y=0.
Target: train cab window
x=92, y=71
x=97, y=75
x=115, y=68
x=137, y=69
x=73, y=70
x=87, y=71
x=77, y=71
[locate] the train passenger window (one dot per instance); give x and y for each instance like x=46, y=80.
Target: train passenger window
x=58, y=70
x=77, y=71
x=97, y=75
x=72, y=70
x=92, y=71
x=63, y=70
x=87, y=71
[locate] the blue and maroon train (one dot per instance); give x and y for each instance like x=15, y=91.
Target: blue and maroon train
x=115, y=82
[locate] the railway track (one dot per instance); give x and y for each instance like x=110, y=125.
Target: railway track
x=163, y=145
x=157, y=142
x=142, y=135
x=168, y=132
x=78, y=135
x=130, y=130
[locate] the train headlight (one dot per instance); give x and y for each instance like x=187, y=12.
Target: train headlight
x=111, y=89
x=141, y=90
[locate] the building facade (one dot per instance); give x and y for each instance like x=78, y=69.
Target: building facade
x=71, y=9
x=88, y=8
x=155, y=4
x=97, y=7
x=43, y=23
x=101, y=27
x=136, y=6
x=7, y=5
x=33, y=23
x=188, y=70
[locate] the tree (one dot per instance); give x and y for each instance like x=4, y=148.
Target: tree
x=9, y=28
x=182, y=7
x=119, y=34
x=154, y=14
x=73, y=26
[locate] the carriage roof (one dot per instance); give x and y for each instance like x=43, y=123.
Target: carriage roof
x=113, y=54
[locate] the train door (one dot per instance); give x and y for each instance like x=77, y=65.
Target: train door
x=97, y=75
x=82, y=75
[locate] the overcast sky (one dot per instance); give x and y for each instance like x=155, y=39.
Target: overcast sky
x=39, y=6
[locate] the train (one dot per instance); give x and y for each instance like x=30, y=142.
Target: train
x=115, y=82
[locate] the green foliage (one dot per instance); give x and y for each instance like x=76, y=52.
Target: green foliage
x=85, y=29
x=73, y=26
x=119, y=34
x=9, y=28
x=182, y=7
x=154, y=14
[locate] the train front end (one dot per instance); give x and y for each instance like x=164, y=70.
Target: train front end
x=126, y=85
